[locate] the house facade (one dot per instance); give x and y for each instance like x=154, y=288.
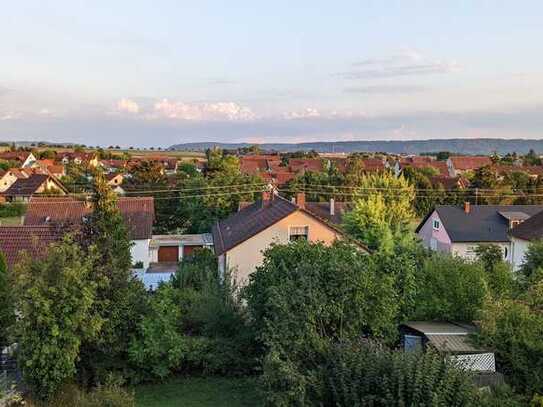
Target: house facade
x=459, y=230
x=240, y=240
x=523, y=235
x=24, y=188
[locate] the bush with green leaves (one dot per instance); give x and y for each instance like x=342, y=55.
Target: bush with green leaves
x=8, y=210
x=363, y=373
x=55, y=300
x=532, y=267
x=70, y=395
x=514, y=329
x=499, y=274
x=194, y=323
x=159, y=344
x=7, y=314
x=307, y=296
x=450, y=288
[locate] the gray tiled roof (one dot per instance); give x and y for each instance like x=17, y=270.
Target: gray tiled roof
x=531, y=229
x=483, y=223
x=249, y=221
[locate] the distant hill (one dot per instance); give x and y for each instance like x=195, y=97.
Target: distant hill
x=461, y=146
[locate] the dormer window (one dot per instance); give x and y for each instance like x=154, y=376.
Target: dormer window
x=514, y=223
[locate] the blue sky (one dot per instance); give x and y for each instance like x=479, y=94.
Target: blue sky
x=164, y=72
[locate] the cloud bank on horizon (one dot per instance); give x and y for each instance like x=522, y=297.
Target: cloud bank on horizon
x=109, y=73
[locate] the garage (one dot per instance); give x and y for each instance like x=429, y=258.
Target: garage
x=187, y=250
x=168, y=254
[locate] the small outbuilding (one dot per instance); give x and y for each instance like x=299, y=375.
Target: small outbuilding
x=450, y=338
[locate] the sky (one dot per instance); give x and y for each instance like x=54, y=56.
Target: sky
x=157, y=73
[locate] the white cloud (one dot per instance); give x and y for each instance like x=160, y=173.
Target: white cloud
x=303, y=114
x=407, y=62
x=229, y=111
x=127, y=106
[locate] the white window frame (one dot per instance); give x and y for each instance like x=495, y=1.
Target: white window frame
x=297, y=226
x=436, y=224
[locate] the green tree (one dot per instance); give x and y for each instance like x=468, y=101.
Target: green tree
x=382, y=211
x=7, y=316
x=532, y=267
x=119, y=293
x=514, y=329
x=55, y=300
x=159, y=345
x=499, y=275
x=450, y=288
x=304, y=298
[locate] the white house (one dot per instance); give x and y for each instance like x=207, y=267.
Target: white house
x=524, y=234
x=459, y=230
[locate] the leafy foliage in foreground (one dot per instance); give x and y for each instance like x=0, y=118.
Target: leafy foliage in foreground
x=364, y=374
x=450, y=288
x=304, y=298
x=55, y=300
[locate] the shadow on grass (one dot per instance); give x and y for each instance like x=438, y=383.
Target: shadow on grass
x=200, y=392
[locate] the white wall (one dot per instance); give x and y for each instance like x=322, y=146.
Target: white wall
x=140, y=251
x=518, y=251
x=467, y=250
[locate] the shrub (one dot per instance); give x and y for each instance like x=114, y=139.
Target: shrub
x=515, y=330
x=365, y=373
x=450, y=288
x=102, y=396
x=304, y=298
x=9, y=210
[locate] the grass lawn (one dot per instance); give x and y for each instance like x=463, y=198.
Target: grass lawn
x=11, y=221
x=200, y=392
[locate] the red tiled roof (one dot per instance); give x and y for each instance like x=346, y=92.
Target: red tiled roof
x=250, y=167
x=138, y=213
x=449, y=183
x=310, y=164
x=14, y=155
x=464, y=163
x=84, y=157
x=415, y=159
x=282, y=178
x=30, y=240
x=528, y=169
x=114, y=163
x=373, y=164
x=56, y=170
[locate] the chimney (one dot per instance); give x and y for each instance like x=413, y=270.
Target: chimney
x=332, y=207
x=266, y=196
x=300, y=199
x=467, y=207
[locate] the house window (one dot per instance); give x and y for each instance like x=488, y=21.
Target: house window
x=298, y=233
x=433, y=244
x=436, y=224
x=505, y=253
